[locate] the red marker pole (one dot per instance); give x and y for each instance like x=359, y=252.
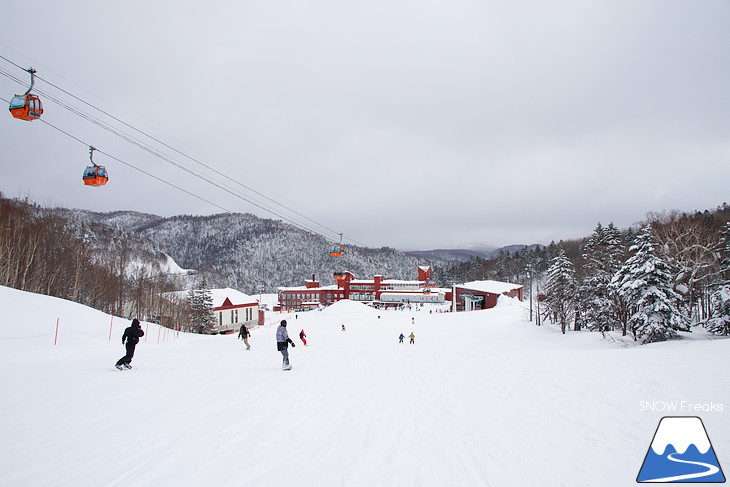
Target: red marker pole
x=110, y=328
x=55, y=340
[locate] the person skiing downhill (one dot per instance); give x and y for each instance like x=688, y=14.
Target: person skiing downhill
x=130, y=339
x=244, y=334
x=413, y=338
x=282, y=344
x=303, y=337
x=400, y=338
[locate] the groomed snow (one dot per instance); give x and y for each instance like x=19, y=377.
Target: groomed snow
x=482, y=398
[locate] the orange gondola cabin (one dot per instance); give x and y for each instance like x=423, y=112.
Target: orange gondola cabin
x=95, y=175
x=27, y=106
x=336, y=250
x=339, y=275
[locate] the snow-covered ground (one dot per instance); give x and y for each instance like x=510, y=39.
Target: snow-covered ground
x=482, y=398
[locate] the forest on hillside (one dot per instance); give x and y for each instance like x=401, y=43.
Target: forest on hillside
x=671, y=273
x=649, y=282
x=118, y=262
x=45, y=252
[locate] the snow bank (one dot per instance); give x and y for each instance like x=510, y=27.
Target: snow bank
x=347, y=306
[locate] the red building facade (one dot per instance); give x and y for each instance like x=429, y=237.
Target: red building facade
x=312, y=295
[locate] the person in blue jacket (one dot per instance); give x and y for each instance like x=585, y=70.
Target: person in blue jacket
x=282, y=344
x=130, y=339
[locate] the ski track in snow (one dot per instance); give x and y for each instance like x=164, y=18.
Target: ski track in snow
x=482, y=398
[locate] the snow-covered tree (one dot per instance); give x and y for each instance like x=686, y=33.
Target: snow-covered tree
x=645, y=283
x=200, y=300
x=719, y=320
x=560, y=290
x=602, y=254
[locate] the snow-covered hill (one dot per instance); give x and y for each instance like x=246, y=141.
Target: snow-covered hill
x=482, y=398
x=247, y=252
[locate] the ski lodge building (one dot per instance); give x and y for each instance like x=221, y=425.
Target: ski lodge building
x=233, y=308
x=386, y=293
x=378, y=290
x=483, y=294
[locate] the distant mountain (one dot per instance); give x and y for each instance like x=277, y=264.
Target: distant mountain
x=249, y=253
x=452, y=256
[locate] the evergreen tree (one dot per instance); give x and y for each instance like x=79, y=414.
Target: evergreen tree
x=200, y=300
x=602, y=255
x=645, y=283
x=560, y=290
x=719, y=321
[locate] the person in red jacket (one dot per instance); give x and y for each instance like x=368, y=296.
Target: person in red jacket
x=303, y=337
x=130, y=339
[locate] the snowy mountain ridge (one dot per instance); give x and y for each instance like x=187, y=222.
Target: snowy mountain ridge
x=247, y=252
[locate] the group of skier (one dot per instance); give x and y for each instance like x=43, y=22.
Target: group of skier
x=412, y=337
x=134, y=332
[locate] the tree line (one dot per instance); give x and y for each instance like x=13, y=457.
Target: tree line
x=46, y=253
x=670, y=274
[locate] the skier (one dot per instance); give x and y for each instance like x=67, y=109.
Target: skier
x=131, y=337
x=303, y=337
x=244, y=334
x=400, y=338
x=413, y=338
x=343, y=327
x=282, y=344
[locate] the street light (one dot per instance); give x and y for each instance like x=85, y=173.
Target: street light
x=529, y=276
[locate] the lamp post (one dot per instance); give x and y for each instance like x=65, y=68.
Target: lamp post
x=529, y=276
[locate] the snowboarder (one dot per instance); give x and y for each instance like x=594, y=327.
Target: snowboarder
x=282, y=344
x=400, y=338
x=130, y=339
x=413, y=338
x=303, y=337
x=343, y=327
x=244, y=334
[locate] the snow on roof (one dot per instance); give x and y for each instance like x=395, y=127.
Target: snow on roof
x=236, y=297
x=308, y=289
x=494, y=287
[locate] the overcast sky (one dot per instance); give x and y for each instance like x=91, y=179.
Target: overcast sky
x=412, y=124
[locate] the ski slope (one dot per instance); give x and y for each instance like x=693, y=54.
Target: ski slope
x=482, y=398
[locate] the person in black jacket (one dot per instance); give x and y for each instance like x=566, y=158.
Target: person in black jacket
x=244, y=334
x=130, y=339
